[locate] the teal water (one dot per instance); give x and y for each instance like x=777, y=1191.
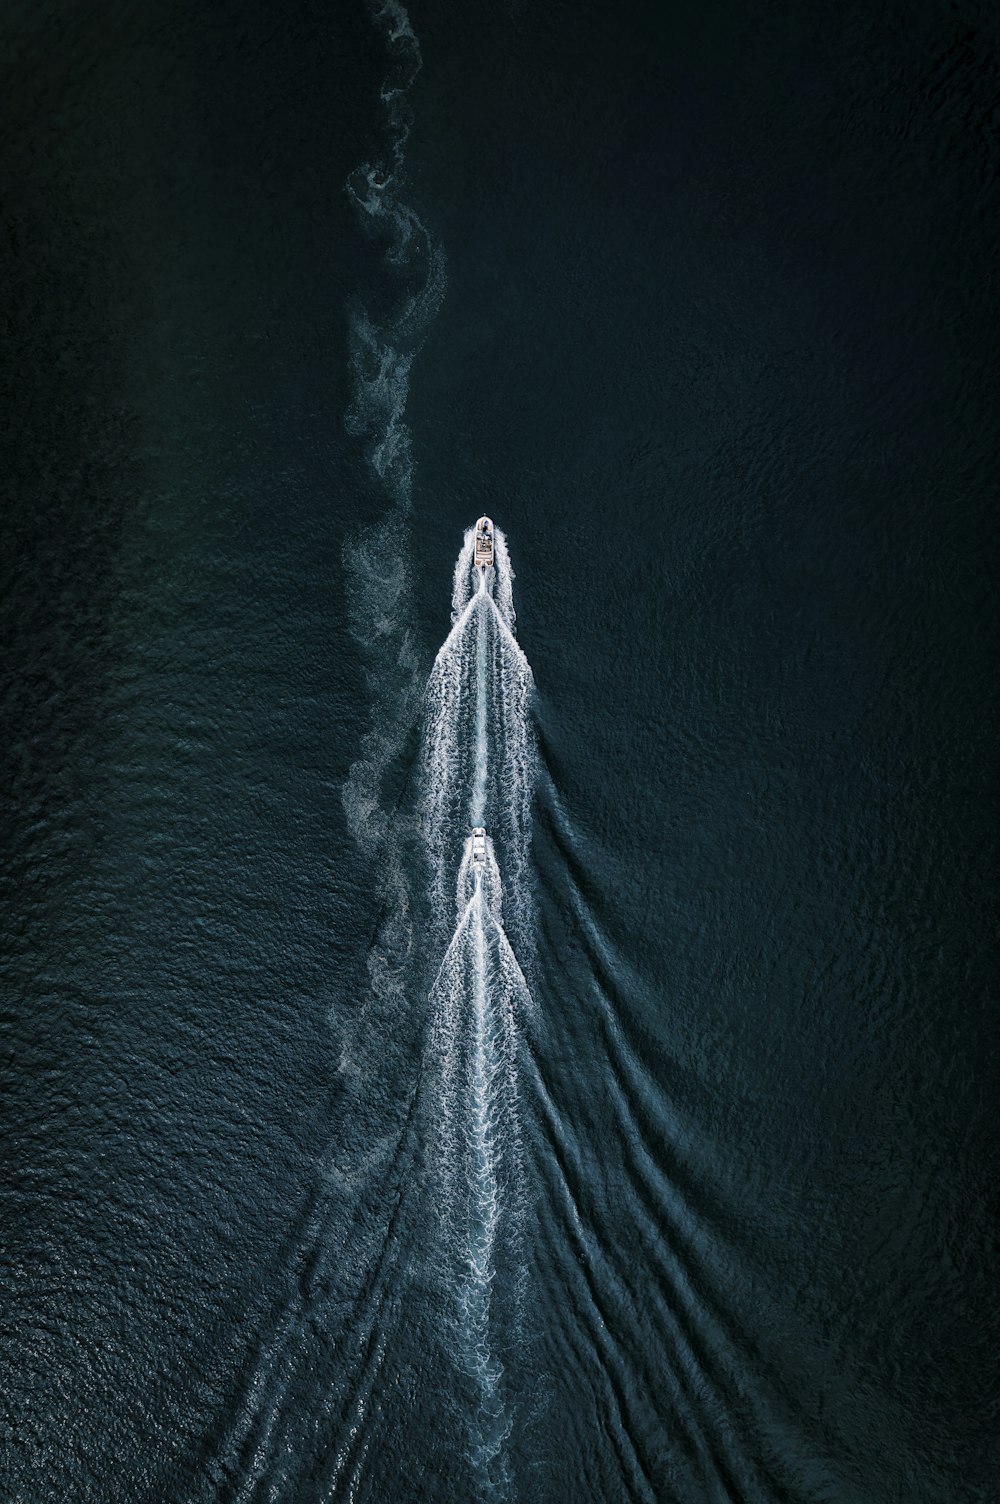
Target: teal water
x=654, y=1158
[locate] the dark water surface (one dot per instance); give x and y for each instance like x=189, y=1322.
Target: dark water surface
x=716, y=347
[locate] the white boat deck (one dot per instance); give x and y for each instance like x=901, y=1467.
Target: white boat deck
x=483, y=556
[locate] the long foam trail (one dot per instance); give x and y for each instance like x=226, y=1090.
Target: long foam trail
x=382, y=350
x=478, y=750
x=478, y=769
x=478, y=998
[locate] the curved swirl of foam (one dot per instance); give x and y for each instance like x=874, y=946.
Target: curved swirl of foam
x=382, y=349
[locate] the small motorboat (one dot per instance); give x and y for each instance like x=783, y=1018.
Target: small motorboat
x=483, y=557
x=478, y=845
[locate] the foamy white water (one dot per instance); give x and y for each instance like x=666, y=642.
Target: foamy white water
x=478, y=766
x=478, y=751
x=499, y=579
x=382, y=350
x=478, y=999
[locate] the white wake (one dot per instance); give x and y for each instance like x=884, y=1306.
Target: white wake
x=478, y=753
x=477, y=769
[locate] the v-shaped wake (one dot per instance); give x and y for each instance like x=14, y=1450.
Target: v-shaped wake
x=478, y=765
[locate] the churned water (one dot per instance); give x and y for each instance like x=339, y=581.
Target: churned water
x=650, y=1155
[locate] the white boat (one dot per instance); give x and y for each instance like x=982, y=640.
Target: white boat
x=483, y=557
x=478, y=845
